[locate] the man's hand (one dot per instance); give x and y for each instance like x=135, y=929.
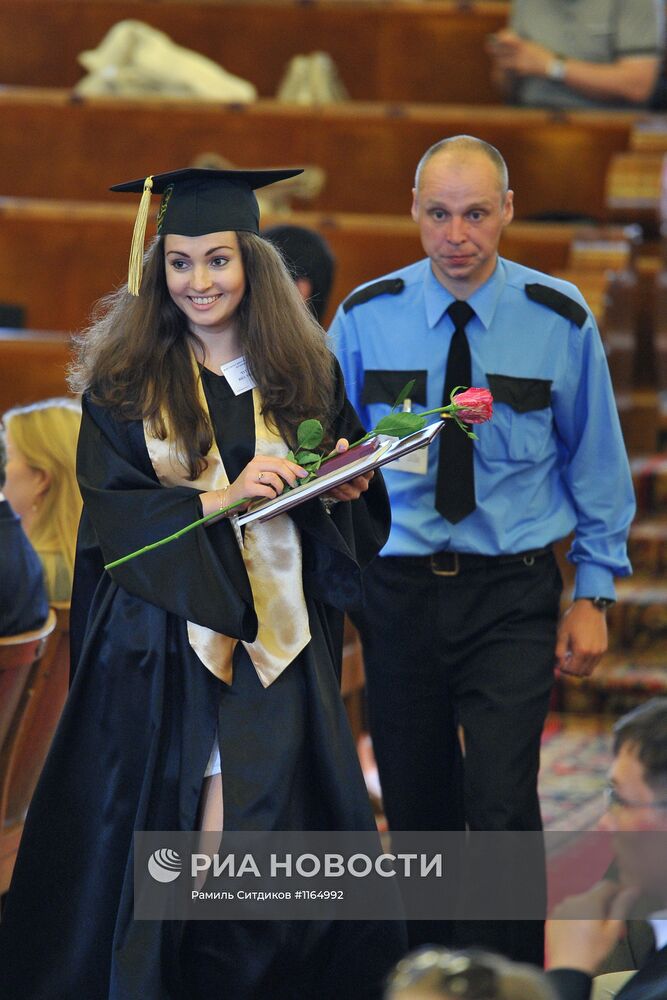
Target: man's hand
x=513, y=54
x=629, y=78
x=353, y=489
x=583, y=929
x=582, y=639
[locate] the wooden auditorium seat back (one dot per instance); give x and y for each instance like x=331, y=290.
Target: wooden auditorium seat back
x=94, y=238
x=94, y=141
x=402, y=51
x=634, y=188
x=19, y=655
x=20, y=659
x=48, y=691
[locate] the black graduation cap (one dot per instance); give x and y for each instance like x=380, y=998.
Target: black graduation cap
x=197, y=201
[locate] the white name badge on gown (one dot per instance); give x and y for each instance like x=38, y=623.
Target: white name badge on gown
x=237, y=374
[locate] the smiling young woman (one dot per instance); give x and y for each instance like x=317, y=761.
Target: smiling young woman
x=207, y=283
x=207, y=672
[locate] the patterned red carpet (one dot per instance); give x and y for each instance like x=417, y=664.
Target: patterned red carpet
x=576, y=755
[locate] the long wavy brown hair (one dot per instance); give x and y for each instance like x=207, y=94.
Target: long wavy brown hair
x=136, y=355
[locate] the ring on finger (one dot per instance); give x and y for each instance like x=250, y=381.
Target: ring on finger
x=260, y=477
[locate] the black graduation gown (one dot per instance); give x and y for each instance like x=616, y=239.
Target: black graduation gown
x=141, y=717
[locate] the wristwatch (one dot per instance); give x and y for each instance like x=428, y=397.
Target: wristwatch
x=556, y=69
x=601, y=603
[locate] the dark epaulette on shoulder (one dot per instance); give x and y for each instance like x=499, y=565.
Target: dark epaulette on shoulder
x=559, y=302
x=388, y=286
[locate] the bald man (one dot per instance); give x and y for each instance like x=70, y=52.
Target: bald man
x=461, y=622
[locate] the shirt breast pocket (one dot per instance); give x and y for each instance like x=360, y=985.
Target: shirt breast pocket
x=521, y=427
x=384, y=386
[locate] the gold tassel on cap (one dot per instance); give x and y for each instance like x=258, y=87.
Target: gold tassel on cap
x=136, y=267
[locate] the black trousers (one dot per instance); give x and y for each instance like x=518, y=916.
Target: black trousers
x=475, y=650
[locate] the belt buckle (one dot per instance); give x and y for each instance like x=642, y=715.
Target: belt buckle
x=445, y=572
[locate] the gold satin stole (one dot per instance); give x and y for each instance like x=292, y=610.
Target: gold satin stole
x=271, y=553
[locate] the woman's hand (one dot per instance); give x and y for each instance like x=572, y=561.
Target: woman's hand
x=263, y=477
x=356, y=486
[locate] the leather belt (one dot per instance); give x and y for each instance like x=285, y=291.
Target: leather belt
x=447, y=563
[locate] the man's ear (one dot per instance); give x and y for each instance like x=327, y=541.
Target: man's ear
x=415, y=205
x=305, y=287
x=508, y=208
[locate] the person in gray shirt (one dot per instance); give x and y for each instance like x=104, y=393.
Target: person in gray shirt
x=580, y=53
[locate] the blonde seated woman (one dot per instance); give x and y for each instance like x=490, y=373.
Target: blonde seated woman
x=41, y=484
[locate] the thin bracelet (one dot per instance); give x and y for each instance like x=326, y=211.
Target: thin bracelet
x=221, y=494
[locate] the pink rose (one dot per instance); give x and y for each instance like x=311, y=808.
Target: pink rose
x=474, y=406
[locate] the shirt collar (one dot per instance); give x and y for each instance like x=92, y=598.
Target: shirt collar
x=658, y=922
x=484, y=300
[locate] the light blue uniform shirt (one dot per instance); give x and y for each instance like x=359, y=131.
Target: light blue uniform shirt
x=552, y=458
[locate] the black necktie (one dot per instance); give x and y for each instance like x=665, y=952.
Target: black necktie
x=455, y=484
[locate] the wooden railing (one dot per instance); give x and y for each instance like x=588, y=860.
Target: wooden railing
x=54, y=146
x=384, y=51
x=78, y=252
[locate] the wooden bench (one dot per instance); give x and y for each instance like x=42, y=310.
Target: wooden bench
x=48, y=690
x=84, y=248
x=390, y=51
x=649, y=136
x=53, y=145
x=23, y=664
x=637, y=178
x=32, y=366
x=634, y=189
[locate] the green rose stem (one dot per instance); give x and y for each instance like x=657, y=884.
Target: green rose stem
x=176, y=534
x=448, y=411
x=310, y=434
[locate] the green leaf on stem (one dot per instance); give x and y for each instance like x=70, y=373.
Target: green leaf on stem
x=308, y=459
x=400, y=424
x=404, y=394
x=309, y=434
